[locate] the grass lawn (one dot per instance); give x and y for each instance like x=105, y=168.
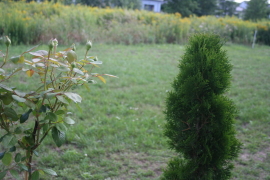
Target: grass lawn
x=119, y=133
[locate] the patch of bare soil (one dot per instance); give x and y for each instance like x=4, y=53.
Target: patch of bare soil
x=138, y=163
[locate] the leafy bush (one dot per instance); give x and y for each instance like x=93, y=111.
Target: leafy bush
x=199, y=117
x=28, y=117
x=263, y=35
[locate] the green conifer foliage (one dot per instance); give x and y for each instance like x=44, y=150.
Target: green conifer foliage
x=199, y=116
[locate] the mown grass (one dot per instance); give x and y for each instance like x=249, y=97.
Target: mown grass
x=119, y=133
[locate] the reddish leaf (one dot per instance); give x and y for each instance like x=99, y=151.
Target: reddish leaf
x=30, y=72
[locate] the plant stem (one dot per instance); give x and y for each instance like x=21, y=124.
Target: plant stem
x=85, y=54
x=5, y=59
x=46, y=70
x=43, y=137
x=28, y=174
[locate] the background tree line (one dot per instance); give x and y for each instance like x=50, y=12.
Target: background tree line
x=130, y=4
x=256, y=9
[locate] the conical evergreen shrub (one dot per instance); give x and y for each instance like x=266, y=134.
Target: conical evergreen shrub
x=199, y=117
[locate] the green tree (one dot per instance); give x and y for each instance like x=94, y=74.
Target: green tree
x=184, y=7
x=95, y=3
x=199, y=117
x=130, y=4
x=256, y=10
x=226, y=8
x=206, y=7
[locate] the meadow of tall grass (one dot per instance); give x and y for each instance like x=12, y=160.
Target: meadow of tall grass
x=30, y=23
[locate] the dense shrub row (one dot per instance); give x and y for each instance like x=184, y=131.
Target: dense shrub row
x=28, y=23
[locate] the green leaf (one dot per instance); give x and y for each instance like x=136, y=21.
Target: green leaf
x=17, y=98
x=43, y=108
x=76, y=70
x=28, y=131
x=29, y=104
x=61, y=127
x=39, y=53
x=7, y=159
x=9, y=112
x=74, y=80
x=25, y=116
x=64, y=69
x=50, y=171
x=35, y=175
x=50, y=95
x=74, y=97
x=70, y=121
x=59, y=137
x=15, y=173
x=12, y=149
x=23, y=158
x=29, y=140
x=62, y=99
x=7, y=98
x=2, y=71
x=45, y=127
x=41, y=172
x=3, y=174
x=51, y=116
x=36, y=153
x=18, y=130
x=15, y=59
x=19, y=93
x=18, y=157
x=9, y=141
x=1, y=139
x=43, y=93
x=2, y=154
x=96, y=62
x=5, y=87
x=60, y=112
x=24, y=167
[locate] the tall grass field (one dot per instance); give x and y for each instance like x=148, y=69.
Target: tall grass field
x=118, y=134
x=32, y=23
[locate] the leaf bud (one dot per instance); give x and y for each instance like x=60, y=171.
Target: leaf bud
x=73, y=47
x=73, y=65
x=88, y=45
x=50, y=44
x=7, y=41
x=71, y=56
x=54, y=42
x=95, y=59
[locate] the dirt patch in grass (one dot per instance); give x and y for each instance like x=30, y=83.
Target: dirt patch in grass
x=258, y=156
x=138, y=165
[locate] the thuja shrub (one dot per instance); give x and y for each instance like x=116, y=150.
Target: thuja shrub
x=28, y=117
x=199, y=117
